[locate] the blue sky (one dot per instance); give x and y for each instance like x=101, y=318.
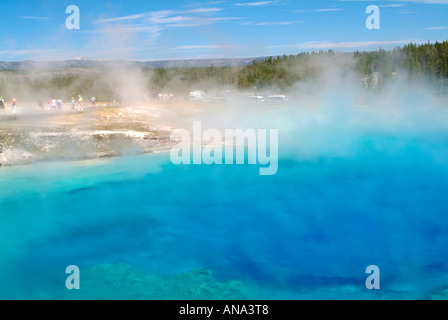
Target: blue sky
x=180, y=29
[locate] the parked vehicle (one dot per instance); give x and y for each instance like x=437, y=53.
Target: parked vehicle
x=277, y=99
x=197, y=95
x=256, y=99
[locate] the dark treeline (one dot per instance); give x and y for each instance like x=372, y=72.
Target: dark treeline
x=427, y=59
x=430, y=60
x=277, y=73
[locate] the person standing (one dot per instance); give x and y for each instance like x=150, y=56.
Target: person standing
x=14, y=106
x=53, y=104
x=59, y=103
x=2, y=105
x=93, y=101
x=80, y=102
x=73, y=103
x=49, y=104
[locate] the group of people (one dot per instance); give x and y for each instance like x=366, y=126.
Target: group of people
x=166, y=97
x=3, y=106
x=52, y=105
x=56, y=104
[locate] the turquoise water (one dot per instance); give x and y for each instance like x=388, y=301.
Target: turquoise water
x=141, y=228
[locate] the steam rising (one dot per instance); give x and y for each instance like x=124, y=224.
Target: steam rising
x=362, y=180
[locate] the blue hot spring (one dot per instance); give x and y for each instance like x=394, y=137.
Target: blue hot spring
x=139, y=227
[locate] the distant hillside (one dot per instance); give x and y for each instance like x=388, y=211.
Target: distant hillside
x=165, y=64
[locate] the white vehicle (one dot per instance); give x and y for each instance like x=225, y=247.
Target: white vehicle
x=277, y=99
x=256, y=99
x=197, y=95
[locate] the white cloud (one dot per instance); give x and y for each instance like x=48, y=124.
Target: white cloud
x=151, y=24
x=255, y=4
x=120, y=19
x=414, y=1
x=319, y=10
x=328, y=10
x=37, y=54
x=277, y=23
x=159, y=15
x=35, y=18
x=205, y=47
x=394, y=5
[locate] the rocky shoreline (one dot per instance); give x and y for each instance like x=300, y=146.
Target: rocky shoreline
x=98, y=133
